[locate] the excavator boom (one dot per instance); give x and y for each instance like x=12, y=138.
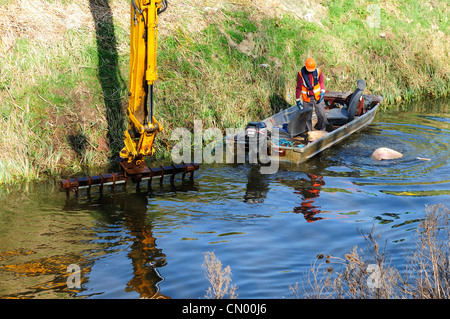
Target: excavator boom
x=142, y=125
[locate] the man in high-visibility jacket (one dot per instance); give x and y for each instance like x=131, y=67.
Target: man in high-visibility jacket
x=311, y=88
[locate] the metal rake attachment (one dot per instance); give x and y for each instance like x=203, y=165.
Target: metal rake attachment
x=142, y=173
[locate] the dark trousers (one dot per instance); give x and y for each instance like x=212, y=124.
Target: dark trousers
x=319, y=108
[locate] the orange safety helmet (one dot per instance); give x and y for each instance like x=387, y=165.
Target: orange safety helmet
x=310, y=64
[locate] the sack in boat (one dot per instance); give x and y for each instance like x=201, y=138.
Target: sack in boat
x=315, y=135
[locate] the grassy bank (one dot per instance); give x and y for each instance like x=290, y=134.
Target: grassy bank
x=64, y=68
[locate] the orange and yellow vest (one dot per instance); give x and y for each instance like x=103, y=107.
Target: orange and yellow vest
x=306, y=85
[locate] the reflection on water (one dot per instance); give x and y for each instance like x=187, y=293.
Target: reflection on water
x=37, y=243
x=144, y=256
x=149, y=243
x=308, y=190
x=257, y=186
x=131, y=213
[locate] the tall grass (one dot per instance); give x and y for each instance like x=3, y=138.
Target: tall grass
x=54, y=113
x=66, y=62
x=403, y=60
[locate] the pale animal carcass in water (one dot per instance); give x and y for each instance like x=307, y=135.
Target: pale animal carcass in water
x=384, y=153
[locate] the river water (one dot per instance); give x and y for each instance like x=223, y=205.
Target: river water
x=267, y=228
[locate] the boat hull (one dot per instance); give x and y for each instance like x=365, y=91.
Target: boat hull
x=297, y=155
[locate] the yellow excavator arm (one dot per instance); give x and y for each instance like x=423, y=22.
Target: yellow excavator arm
x=142, y=125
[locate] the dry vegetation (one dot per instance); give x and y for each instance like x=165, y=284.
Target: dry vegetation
x=218, y=277
x=368, y=274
